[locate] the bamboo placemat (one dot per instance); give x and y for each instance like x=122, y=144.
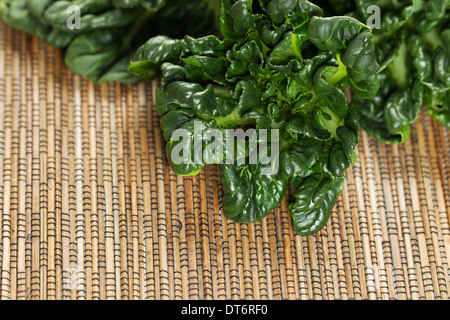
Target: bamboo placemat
x=89, y=208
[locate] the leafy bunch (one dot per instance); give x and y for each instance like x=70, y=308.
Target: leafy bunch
x=413, y=47
x=278, y=68
x=279, y=65
x=110, y=31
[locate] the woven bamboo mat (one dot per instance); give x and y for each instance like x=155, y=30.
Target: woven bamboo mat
x=89, y=208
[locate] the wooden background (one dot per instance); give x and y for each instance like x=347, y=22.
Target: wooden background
x=89, y=208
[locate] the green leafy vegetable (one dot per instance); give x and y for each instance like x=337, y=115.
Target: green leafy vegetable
x=243, y=73
x=108, y=32
x=16, y=13
x=413, y=46
x=279, y=69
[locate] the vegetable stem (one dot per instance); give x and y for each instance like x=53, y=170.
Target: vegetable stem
x=333, y=123
x=398, y=67
x=434, y=39
x=233, y=120
x=340, y=74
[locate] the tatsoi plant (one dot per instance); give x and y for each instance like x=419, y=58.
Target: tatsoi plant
x=275, y=68
x=413, y=47
x=101, y=36
x=279, y=65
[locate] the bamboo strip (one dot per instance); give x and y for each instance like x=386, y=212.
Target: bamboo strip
x=15, y=104
x=6, y=176
x=65, y=187
x=4, y=76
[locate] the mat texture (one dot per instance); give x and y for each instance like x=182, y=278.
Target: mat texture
x=89, y=208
